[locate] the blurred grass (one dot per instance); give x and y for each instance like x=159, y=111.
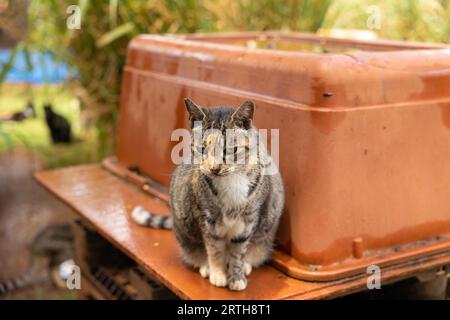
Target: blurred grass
x=97, y=50
x=33, y=135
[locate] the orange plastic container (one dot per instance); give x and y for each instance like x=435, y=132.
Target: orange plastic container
x=364, y=136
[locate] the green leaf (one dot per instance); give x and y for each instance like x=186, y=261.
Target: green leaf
x=6, y=67
x=113, y=4
x=115, y=34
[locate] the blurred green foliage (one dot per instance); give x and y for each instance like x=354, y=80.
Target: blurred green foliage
x=33, y=134
x=417, y=20
x=97, y=50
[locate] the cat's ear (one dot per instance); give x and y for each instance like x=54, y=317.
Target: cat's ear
x=243, y=116
x=196, y=113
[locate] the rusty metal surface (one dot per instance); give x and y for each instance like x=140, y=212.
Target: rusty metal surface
x=305, y=37
x=364, y=139
x=356, y=79
x=104, y=201
x=290, y=265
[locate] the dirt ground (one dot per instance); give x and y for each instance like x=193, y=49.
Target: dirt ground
x=25, y=209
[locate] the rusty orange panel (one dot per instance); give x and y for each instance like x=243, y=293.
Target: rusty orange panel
x=104, y=201
x=364, y=137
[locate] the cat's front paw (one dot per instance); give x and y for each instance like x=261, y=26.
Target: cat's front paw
x=218, y=278
x=204, y=270
x=247, y=268
x=237, y=284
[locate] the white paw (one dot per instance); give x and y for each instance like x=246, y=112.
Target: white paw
x=204, y=271
x=218, y=278
x=140, y=216
x=247, y=268
x=238, y=285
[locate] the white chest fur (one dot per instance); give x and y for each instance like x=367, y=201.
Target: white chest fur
x=232, y=190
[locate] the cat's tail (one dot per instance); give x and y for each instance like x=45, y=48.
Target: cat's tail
x=148, y=219
x=27, y=279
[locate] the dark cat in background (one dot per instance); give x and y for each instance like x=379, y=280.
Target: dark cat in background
x=60, y=130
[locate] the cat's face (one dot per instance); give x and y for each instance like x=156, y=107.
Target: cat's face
x=222, y=138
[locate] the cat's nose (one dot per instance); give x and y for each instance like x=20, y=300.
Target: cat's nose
x=215, y=171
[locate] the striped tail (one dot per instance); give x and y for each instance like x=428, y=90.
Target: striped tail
x=148, y=219
x=27, y=279
x=10, y=286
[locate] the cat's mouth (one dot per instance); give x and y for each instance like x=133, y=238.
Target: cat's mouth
x=216, y=173
x=219, y=174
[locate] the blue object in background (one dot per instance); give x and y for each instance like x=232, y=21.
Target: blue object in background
x=44, y=68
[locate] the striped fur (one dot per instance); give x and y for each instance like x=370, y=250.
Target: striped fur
x=25, y=280
x=225, y=216
x=51, y=246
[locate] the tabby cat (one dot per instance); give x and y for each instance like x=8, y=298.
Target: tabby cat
x=224, y=214
x=52, y=245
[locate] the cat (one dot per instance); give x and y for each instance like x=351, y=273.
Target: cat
x=224, y=216
x=54, y=244
x=60, y=130
x=19, y=116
